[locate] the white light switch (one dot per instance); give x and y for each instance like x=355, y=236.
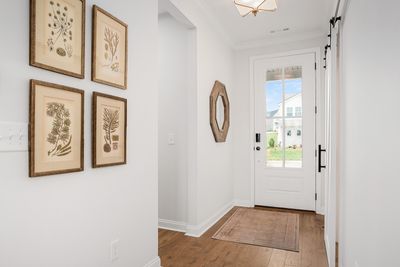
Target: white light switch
x=13, y=137
x=171, y=139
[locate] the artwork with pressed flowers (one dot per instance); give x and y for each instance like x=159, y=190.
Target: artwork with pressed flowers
x=109, y=130
x=58, y=36
x=109, y=53
x=56, y=129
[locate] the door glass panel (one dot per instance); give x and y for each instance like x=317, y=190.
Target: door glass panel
x=274, y=144
x=274, y=92
x=284, y=117
x=293, y=119
x=293, y=90
x=293, y=143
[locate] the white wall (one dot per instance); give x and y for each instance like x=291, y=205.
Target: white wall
x=211, y=188
x=173, y=120
x=70, y=220
x=370, y=169
x=241, y=115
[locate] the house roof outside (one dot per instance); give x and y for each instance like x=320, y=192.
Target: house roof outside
x=274, y=113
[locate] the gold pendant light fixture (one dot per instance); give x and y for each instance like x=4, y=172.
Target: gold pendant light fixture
x=246, y=7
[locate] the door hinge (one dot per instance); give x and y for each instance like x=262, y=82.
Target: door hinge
x=316, y=153
x=316, y=110
x=316, y=196
x=315, y=65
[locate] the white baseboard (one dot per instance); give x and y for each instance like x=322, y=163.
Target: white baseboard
x=320, y=210
x=199, y=229
x=243, y=203
x=156, y=262
x=172, y=225
x=328, y=250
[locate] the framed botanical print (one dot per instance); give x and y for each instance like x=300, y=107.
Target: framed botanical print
x=56, y=116
x=109, y=49
x=109, y=118
x=57, y=36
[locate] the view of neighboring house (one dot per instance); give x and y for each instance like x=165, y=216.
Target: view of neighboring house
x=293, y=122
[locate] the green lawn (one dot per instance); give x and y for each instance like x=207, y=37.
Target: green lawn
x=291, y=154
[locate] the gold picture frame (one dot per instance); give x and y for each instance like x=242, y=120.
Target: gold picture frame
x=109, y=49
x=57, y=36
x=109, y=118
x=56, y=129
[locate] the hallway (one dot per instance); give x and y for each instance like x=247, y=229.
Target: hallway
x=149, y=133
x=177, y=250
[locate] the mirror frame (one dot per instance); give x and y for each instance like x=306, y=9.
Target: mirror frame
x=219, y=90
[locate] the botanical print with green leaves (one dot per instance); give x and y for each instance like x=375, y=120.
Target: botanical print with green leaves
x=110, y=127
x=111, y=47
x=60, y=29
x=59, y=137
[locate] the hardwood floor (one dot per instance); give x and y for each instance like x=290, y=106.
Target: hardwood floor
x=177, y=250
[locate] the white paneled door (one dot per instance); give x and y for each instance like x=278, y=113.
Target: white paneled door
x=285, y=132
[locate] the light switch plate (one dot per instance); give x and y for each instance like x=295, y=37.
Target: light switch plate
x=171, y=139
x=13, y=137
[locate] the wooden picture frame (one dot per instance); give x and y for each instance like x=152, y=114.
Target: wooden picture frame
x=109, y=130
x=219, y=93
x=56, y=129
x=57, y=36
x=109, y=49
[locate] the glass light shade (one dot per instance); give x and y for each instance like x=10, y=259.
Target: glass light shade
x=246, y=7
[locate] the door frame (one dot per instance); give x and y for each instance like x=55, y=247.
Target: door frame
x=318, y=125
x=191, y=129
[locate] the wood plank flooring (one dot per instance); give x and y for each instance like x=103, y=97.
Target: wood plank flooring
x=177, y=250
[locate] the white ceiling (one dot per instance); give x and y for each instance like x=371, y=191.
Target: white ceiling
x=302, y=17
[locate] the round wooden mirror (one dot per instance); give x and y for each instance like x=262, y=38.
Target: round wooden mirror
x=219, y=112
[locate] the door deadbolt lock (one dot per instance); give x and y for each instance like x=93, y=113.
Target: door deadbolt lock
x=258, y=148
x=258, y=137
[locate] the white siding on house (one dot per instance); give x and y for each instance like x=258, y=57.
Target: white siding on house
x=292, y=125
